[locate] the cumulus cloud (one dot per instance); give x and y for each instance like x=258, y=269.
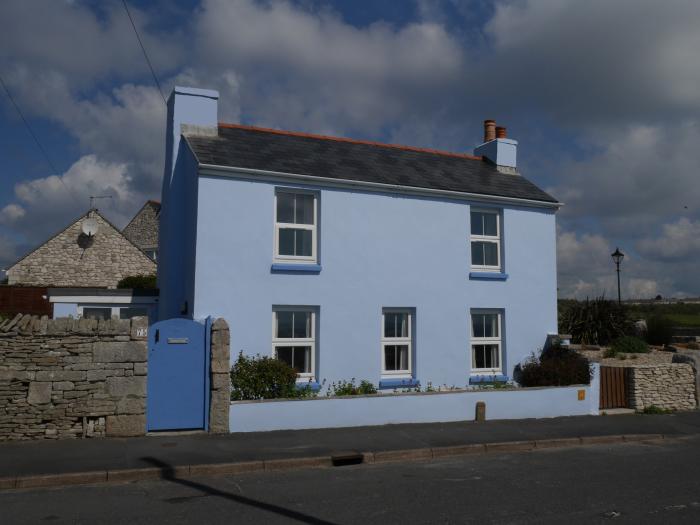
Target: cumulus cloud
x=308, y=69
x=679, y=240
x=11, y=213
x=49, y=203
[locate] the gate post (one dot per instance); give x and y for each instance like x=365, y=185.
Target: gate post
x=220, y=379
x=595, y=393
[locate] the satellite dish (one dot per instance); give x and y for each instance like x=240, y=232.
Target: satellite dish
x=90, y=227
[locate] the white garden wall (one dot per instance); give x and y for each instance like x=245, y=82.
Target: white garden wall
x=433, y=407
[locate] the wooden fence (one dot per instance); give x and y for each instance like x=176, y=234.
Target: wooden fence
x=24, y=300
x=613, y=387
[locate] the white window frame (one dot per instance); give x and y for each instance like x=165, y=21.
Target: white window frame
x=486, y=341
x=292, y=341
x=486, y=238
x=115, y=310
x=313, y=228
x=390, y=341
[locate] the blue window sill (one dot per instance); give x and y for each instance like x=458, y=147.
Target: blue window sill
x=303, y=268
x=311, y=385
x=498, y=378
x=399, y=383
x=488, y=276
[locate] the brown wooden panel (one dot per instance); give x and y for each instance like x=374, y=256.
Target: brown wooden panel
x=613, y=387
x=24, y=300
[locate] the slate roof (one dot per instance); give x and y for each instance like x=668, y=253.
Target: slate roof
x=345, y=159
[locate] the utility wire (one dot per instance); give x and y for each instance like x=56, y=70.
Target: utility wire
x=41, y=148
x=126, y=8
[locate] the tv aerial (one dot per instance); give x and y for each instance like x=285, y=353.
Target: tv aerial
x=90, y=225
x=93, y=198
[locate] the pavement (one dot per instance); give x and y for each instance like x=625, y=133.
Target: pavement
x=630, y=483
x=86, y=461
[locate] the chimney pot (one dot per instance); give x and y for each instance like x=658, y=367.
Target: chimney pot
x=489, y=130
x=500, y=132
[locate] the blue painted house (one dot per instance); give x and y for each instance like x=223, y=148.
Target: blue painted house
x=350, y=259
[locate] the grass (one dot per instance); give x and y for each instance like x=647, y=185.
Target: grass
x=684, y=319
x=653, y=409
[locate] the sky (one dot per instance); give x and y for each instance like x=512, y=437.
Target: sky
x=603, y=98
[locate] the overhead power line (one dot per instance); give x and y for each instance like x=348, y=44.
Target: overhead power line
x=36, y=139
x=150, y=66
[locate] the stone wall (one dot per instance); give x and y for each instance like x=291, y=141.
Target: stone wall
x=68, y=378
x=72, y=259
x=142, y=230
x=667, y=386
x=220, y=365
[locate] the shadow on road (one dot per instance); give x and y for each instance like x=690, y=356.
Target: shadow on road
x=168, y=473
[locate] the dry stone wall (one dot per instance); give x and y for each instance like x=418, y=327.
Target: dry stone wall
x=68, y=378
x=143, y=228
x=667, y=386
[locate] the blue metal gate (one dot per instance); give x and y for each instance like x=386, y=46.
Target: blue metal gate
x=178, y=378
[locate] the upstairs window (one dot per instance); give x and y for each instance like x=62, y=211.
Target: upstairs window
x=396, y=342
x=486, y=240
x=295, y=227
x=293, y=339
x=486, y=341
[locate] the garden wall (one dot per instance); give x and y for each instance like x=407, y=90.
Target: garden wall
x=667, y=386
x=428, y=407
x=66, y=378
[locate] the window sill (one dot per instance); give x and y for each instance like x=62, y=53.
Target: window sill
x=311, y=385
x=407, y=382
x=483, y=378
x=301, y=268
x=488, y=276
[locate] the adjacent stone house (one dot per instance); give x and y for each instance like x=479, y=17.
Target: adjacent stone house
x=72, y=258
x=142, y=230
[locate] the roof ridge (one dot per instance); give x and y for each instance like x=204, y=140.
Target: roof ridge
x=351, y=141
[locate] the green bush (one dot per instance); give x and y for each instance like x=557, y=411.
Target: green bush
x=659, y=330
x=138, y=282
x=594, y=322
x=349, y=388
x=653, y=409
x=262, y=377
x=627, y=344
x=555, y=366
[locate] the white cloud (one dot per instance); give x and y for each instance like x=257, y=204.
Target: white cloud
x=309, y=69
x=679, y=240
x=11, y=213
x=51, y=202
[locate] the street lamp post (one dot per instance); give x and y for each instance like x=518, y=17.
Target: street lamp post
x=617, y=256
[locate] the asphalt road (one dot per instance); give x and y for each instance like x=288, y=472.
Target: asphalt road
x=625, y=483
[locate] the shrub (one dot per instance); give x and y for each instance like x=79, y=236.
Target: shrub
x=594, y=322
x=555, y=366
x=138, y=282
x=659, y=330
x=627, y=345
x=349, y=388
x=262, y=377
x=653, y=409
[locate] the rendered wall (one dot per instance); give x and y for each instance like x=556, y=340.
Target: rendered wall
x=376, y=251
x=255, y=416
x=179, y=199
